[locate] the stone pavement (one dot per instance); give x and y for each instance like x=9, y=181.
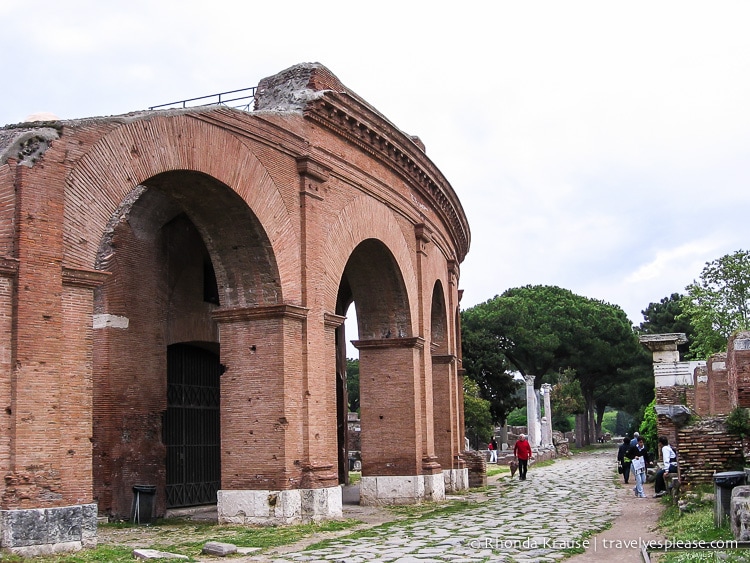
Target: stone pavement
x=558, y=507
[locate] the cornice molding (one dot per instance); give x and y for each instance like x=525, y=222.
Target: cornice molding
x=350, y=119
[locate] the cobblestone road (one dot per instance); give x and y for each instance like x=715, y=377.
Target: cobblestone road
x=532, y=520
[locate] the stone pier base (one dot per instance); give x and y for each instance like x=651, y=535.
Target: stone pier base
x=43, y=531
x=410, y=489
x=456, y=479
x=279, y=507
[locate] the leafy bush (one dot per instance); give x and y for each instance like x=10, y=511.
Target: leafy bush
x=648, y=426
x=738, y=422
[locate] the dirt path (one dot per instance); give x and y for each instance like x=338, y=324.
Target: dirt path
x=637, y=523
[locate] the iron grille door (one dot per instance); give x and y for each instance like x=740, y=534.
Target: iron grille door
x=191, y=426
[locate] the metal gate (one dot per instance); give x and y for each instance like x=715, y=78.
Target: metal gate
x=191, y=426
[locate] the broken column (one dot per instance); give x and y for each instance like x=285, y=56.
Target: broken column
x=532, y=413
x=547, y=420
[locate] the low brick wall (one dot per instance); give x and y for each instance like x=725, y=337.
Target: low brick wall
x=706, y=448
x=477, y=466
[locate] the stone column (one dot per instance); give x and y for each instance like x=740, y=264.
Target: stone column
x=547, y=421
x=532, y=413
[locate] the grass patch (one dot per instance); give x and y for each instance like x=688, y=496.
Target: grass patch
x=355, y=477
x=497, y=470
x=693, y=526
x=186, y=538
x=579, y=542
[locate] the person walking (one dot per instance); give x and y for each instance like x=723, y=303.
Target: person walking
x=492, y=446
x=638, y=455
x=669, y=465
x=623, y=461
x=633, y=443
x=523, y=453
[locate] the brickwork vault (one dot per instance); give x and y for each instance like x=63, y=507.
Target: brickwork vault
x=247, y=236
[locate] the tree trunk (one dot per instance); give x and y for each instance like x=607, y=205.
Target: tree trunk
x=580, y=430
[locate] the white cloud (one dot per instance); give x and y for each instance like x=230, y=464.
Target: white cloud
x=597, y=146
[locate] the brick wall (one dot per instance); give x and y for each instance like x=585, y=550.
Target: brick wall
x=720, y=391
x=738, y=365
x=150, y=199
x=706, y=448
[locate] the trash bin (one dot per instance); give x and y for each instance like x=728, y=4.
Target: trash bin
x=143, y=504
x=724, y=482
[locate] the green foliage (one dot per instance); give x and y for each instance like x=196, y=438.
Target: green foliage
x=609, y=422
x=486, y=364
x=694, y=526
x=738, y=422
x=352, y=384
x=669, y=316
x=517, y=417
x=648, y=427
x=477, y=416
x=566, y=397
x=543, y=330
x=623, y=423
x=718, y=304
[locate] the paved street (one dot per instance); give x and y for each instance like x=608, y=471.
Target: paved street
x=532, y=520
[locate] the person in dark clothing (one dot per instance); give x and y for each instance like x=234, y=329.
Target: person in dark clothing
x=623, y=460
x=638, y=455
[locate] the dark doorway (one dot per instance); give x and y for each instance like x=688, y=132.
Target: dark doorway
x=191, y=426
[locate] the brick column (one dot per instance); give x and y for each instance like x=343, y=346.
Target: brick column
x=392, y=466
x=263, y=422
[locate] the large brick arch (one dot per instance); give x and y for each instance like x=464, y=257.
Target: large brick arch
x=136, y=152
x=241, y=234
x=360, y=220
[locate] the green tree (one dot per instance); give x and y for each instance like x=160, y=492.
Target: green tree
x=542, y=330
x=648, y=427
x=566, y=399
x=718, y=304
x=352, y=384
x=669, y=316
x=485, y=363
x=477, y=416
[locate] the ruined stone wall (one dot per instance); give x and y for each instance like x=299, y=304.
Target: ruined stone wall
x=702, y=392
x=720, y=391
x=738, y=366
x=705, y=448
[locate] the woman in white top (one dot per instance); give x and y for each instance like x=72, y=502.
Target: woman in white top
x=669, y=465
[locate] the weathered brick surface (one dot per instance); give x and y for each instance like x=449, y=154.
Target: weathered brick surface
x=720, y=390
x=706, y=448
x=299, y=213
x=738, y=365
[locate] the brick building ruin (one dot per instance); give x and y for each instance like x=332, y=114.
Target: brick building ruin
x=173, y=286
x=693, y=400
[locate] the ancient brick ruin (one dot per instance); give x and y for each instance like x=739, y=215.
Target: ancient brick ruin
x=173, y=286
x=693, y=400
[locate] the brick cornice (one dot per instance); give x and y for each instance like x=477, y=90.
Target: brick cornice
x=8, y=267
x=84, y=278
x=361, y=126
x=413, y=342
x=257, y=313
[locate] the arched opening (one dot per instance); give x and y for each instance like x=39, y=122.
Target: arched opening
x=373, y=286
x=180, y=246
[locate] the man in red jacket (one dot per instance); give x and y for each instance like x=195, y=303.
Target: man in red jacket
x=522, y=451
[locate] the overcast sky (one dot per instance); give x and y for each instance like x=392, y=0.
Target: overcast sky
x=601, y=146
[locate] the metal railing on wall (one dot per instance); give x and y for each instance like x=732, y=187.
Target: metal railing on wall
x=238, y=99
